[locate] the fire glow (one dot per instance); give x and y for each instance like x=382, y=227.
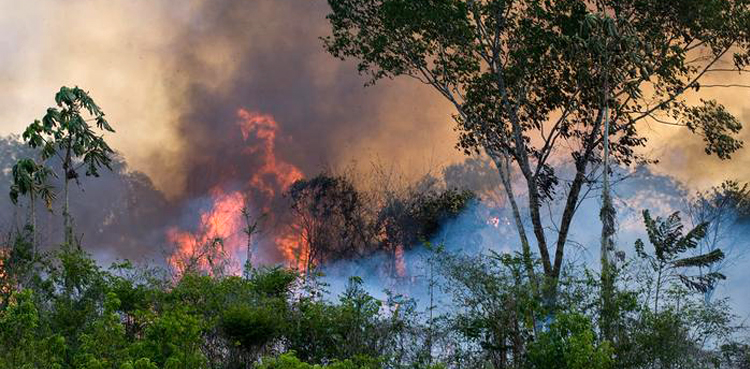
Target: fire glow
x=222, y=225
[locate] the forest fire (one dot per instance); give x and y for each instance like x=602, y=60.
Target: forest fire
x=375, y=184
x=274, y=174
x=3, y=287
x=400, y=261
x=222, y=222
x=220, y=236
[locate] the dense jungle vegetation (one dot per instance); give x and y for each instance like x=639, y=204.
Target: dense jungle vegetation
x=60, y=309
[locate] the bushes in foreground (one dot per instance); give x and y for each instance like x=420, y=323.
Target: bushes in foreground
x=62, y=310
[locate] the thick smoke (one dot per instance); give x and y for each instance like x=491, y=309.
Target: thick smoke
x=118, y=215
x=275, y=65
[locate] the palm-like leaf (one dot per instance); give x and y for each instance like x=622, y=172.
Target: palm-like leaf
x=701, y=283
x=704, y=260
x=666, y=235
x=32, y=179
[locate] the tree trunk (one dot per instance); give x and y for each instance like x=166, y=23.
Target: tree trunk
x=607, y=216
x=571, y=202
x=503, y=166
x=33, y=225
x=66, y=215
x=658, y=290
x=67, y=164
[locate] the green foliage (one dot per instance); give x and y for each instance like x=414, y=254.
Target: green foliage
x=319, y=331
x=31, y=179
x=251, y=326
x=667, y=262
x=290, y=361
x=23, y=345
x=64, y=130
x=76, y=315
x=181, y=349
x=662, y=338
x=570, y=343
x=17, y=326
x=104, y=344
x=17, y=264
x=497, y=311
x=717, y=126
x=142, y=363
x=273, y=282
x=65, y=134
x=737, y=354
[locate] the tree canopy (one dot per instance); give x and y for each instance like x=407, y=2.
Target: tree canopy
x=532, y=81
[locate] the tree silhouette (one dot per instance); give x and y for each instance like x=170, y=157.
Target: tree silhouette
x=532, y=82
x=64, y=133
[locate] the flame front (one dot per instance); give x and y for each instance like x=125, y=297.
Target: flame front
x=273, y=173
x=197, y=251
x=224, y=221
x=400, y=262
x=4, y=288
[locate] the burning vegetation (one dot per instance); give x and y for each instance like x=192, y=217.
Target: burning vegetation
x=219, y=238
x=328, y=218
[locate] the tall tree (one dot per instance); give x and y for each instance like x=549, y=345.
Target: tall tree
x=526, y=80
x=32, y=179
x=64, y=133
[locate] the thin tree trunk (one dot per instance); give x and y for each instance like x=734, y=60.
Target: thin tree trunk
x=658, y=288
x=503, y=166
x=66, y=215
x=607, y=216
x=33, y=225
x=68, y=227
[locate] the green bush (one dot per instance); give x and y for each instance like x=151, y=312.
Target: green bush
x=251, y=326
x=290, y=361
x=570, y=343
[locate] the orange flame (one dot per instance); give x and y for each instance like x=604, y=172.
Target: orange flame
x=224, y=221
x=294, y=248
x=272, y=171
x=400, y=261
x=4, y=288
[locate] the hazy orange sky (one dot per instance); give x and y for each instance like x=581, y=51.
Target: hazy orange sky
x=149, y=65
